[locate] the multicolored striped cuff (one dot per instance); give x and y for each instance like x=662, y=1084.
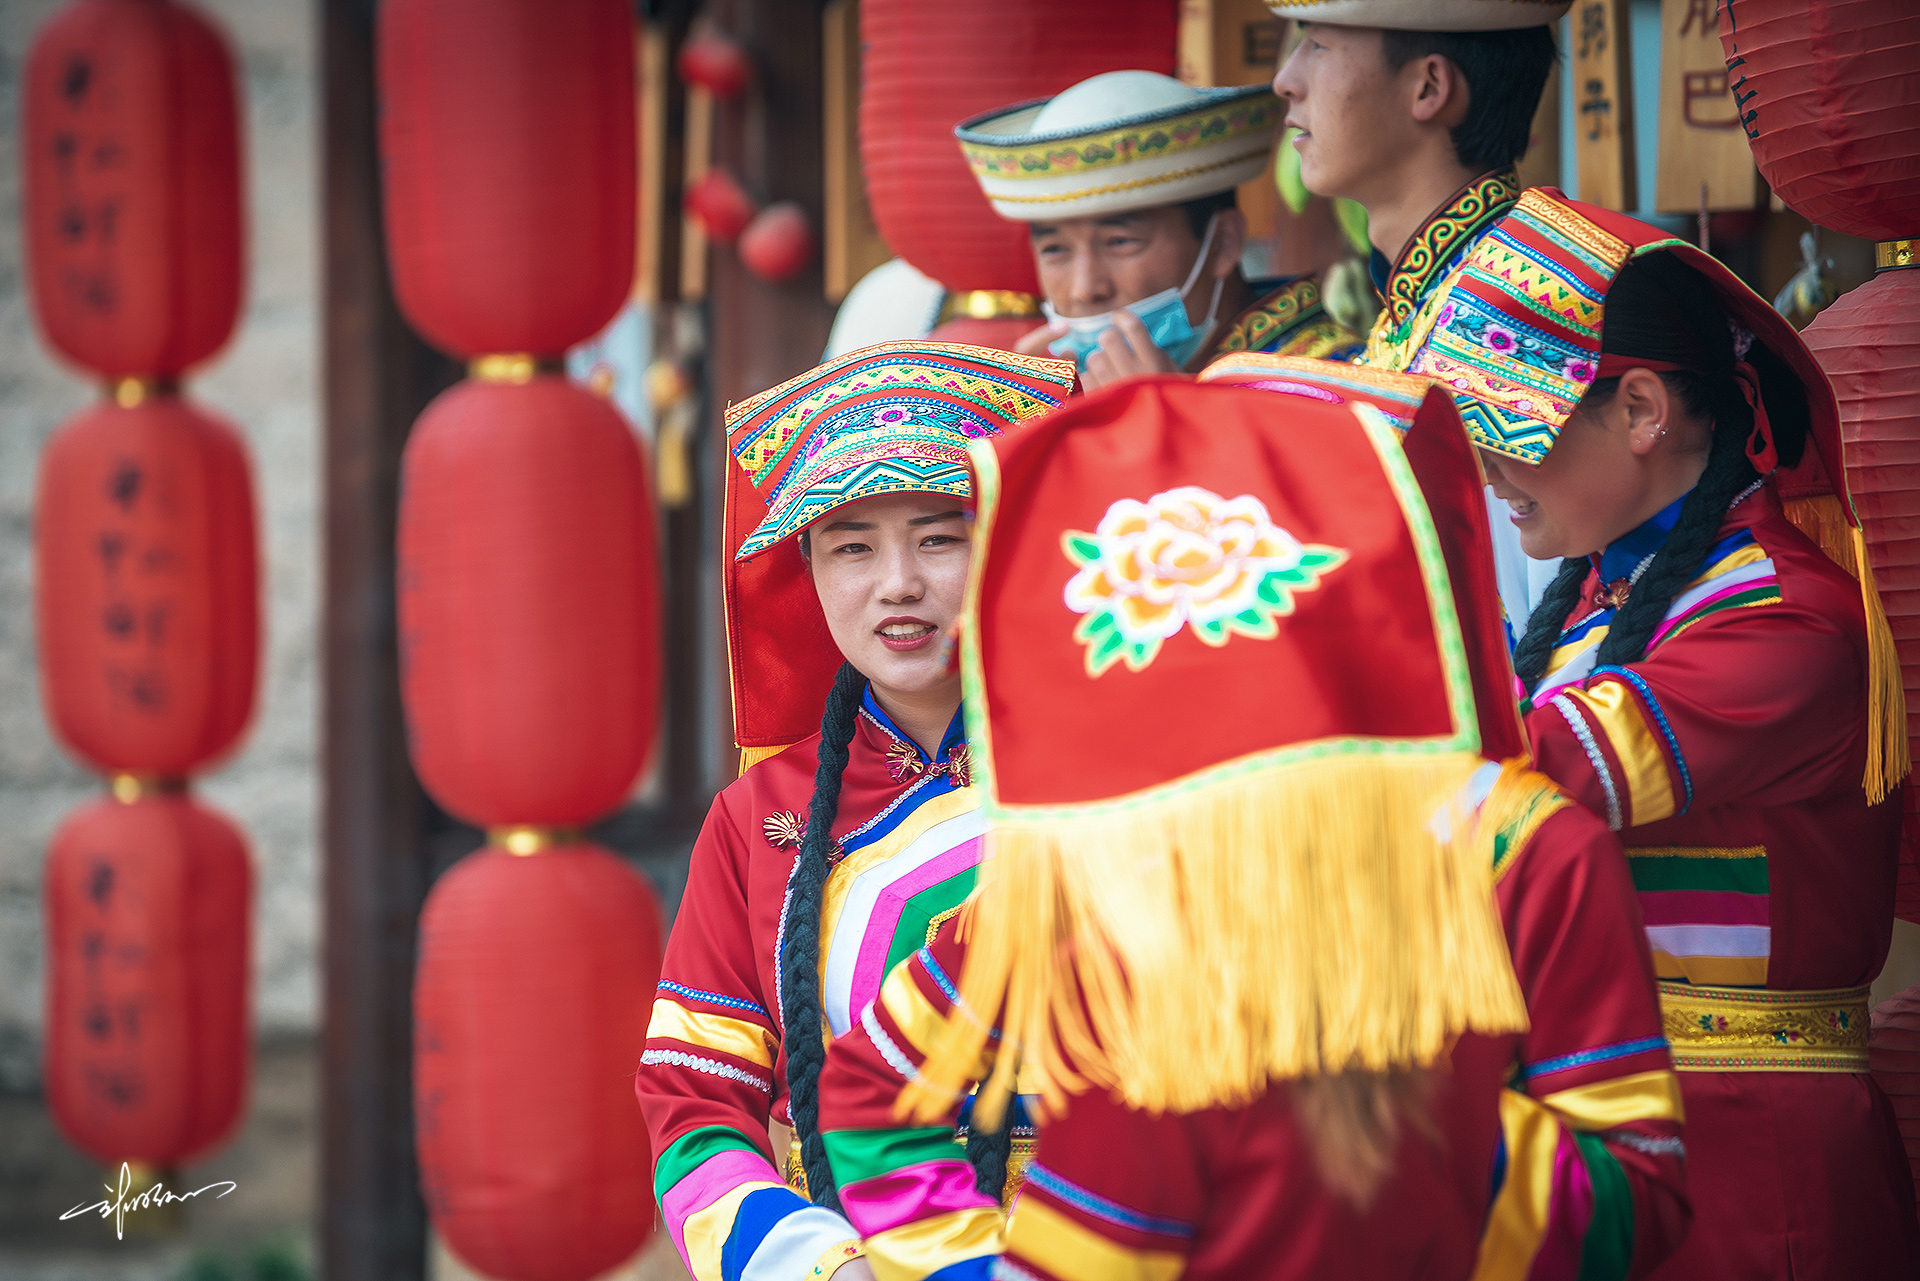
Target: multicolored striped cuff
x=1708, y=912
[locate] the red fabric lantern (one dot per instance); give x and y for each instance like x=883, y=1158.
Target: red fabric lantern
x=507, y=140
x=531, y=1003
x=779, y=243
x=928, y=64
x=130, y=146
x=528, y=606
x=1829, y=92
x=146, y=586
x=721, y=204
x=715, y=63
x=1002, y=332
x=1869, y=344
x=147, y=1029
x=1893, y=1055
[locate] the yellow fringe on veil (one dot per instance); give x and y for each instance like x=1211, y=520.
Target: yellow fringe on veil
x=752, y=756
x=1191, y=950
x=1888, y=755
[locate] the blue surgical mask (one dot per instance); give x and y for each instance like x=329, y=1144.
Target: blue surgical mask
x=1164, y=314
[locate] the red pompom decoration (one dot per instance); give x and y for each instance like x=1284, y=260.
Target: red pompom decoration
x=1869, y=345
x=721, y=204
x=928, y=64
x=1893, y=1055
x=531, y=1004
x=130, y=147
x=779, y=243
x=507, y=148
x=528, y=603
x=1001, y=332
x=715, y=63
x=146, y=587
x=147, y=1035
x=1829, y=93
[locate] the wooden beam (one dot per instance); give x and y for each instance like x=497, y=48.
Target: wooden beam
x=851, y=242
x=1601, y=63
x=378, y=826
x=1704, y=156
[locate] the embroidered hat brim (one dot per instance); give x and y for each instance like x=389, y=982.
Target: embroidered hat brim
x=1424, y=15
x=1211, y=143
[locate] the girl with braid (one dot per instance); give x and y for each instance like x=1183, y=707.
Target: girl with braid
x=1712, y=674
x=830, y=860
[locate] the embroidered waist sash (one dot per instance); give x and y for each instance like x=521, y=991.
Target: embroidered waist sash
x=1730, y=1029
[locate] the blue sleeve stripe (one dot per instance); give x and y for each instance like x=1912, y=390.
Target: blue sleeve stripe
x=1634, y=679
x=939, y=976
x=711, y=998
x=978, y=1268
x=1584, y=1058
x=1101, y=1208
x=759, y=1213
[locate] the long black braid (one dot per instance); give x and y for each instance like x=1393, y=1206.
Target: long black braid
x=1660, y=309
x=800, y=962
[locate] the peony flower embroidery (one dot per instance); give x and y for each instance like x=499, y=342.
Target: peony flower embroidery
x=1184, y=558
x=1499, y=339
x=889, y=417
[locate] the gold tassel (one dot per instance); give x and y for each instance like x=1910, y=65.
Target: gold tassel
x=752, y=756
x=1889, y=757
x=1190, y=951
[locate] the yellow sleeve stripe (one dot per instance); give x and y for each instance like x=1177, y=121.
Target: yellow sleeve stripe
x=1517, y=1221
x=743, y=1040
x=912, y=1013
x=1071, y=1252
x=1642, y=751
x=914, y=1251
x=1604, y=1105
x=705, y=1234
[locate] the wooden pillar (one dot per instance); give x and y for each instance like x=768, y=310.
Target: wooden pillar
x=378, y=825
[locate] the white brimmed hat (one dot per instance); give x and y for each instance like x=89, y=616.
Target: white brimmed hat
x=1424, y=15
x=1122, y=140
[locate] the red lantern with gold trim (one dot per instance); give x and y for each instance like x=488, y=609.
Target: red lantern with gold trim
x=147, y=1033
x=130, y=147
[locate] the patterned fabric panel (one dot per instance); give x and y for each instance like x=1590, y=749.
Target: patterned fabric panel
x=1291, y=321
x=1707, y=912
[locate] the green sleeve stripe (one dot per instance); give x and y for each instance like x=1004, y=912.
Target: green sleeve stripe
x=910, y=935
x=863, y=1154
x=1608, y=1251
x=1724, y=875
x=685, y=1154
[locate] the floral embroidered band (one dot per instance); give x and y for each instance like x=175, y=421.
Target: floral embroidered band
x=1732, y=1029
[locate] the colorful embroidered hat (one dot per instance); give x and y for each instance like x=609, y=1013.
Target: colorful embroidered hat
x=1121, y=140
x=1424, y=15
x=1218, y=692
x=892, y=418
x=1514, y=332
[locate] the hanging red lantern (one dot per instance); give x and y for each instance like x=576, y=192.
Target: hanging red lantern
x=714, y=62
x=146, y=586
x=528, y=611
x=130, y=151
x=927, y=64
x=536, y=975
x=721, y=204
x=1829, y=93
x=147, y=1032
x=507, y=148
x=779, y=243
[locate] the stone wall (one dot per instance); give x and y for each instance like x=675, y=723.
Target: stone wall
x=265, y=383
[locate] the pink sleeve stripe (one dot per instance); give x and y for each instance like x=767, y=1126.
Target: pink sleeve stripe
x=916, y=1193
x=1703, y=907
x=707, y=1182
x=884, y=922
x=1570, y=1211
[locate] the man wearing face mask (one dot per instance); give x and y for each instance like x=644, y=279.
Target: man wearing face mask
x=1127, y=183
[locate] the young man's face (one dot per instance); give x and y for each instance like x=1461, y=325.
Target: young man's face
x=1093, y=265
x=1351, y=109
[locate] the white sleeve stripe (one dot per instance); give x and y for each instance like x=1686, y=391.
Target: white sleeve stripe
x=885, y=1045
x=793, y=1245
x=1578, y=724
x=712, y=1067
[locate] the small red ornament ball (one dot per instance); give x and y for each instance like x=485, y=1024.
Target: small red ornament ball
x=721, y=204
x=715, y=63
x=779, y=244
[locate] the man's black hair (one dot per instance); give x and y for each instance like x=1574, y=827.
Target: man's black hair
x=1202, y=208
x=1505, y=72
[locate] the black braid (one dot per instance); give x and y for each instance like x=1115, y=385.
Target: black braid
x=989, y=1153
x=800, y=951
x=1531, y=655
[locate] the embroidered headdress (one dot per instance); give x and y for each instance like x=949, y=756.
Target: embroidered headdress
x=892, y=418
x=1219, y=693
x=1122, y=140
x=1424, y=15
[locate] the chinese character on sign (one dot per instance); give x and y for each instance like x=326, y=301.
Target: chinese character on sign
x=1705, y=102
x=1596, y=107
x=1702, y=12
x=1593, y=29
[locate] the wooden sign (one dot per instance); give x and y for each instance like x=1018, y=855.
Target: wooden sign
x=1601, y=64
x=1234, y=42
x=853, y=244
x=1704, y=156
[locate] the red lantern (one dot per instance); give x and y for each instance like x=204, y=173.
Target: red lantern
x=714, y=63
x=131, y=156
x=928, y=64
x=721, y=204
x=779, y=243
x=1002, y=332
x=528, y=611
x=507, y=142
x=1829, y=92
x=146, y=586
x=147, y=1031
x=1893, y=1054
x=531, y=1003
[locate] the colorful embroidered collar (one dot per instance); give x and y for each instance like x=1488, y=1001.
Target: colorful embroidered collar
x=907, y=759
x=1289, y=319
x=1436, y=247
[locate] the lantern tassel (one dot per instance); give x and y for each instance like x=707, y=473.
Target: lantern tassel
x=1889, y=757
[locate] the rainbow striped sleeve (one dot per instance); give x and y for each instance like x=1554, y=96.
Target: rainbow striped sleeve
x=733, y=1218
x=1707, y=912
x=1061, y=1231
x=909, y=1191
